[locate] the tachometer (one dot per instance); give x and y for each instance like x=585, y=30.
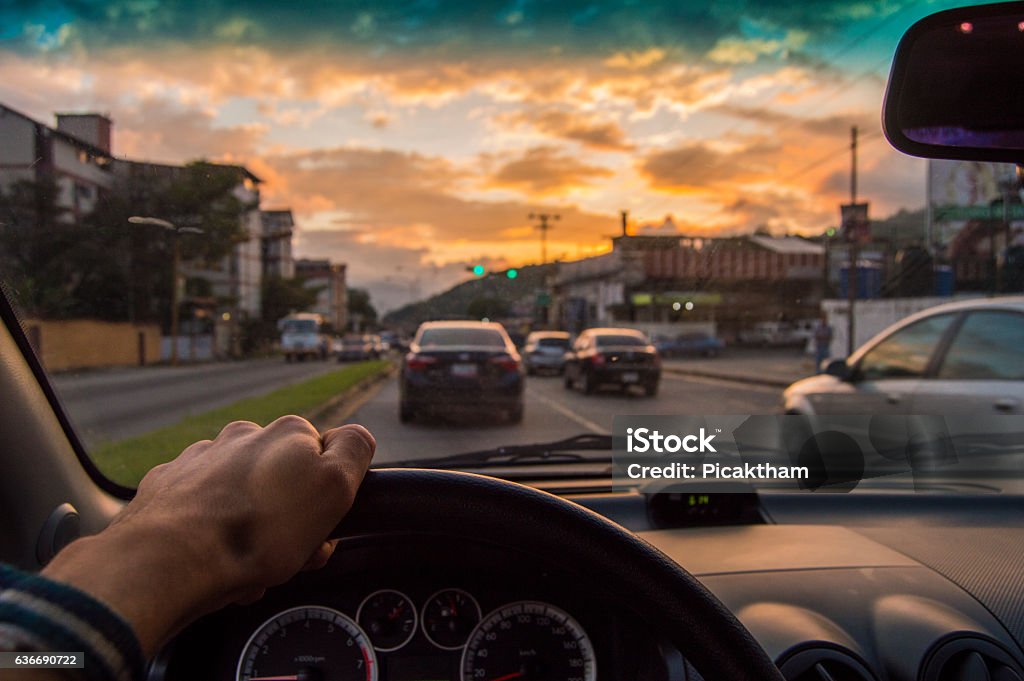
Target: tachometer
x=308, y=643
x=528, y=640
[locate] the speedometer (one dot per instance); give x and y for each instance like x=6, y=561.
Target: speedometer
x=528, y=640
x=309, y=643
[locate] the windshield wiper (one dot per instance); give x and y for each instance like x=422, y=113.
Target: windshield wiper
x=558, y=451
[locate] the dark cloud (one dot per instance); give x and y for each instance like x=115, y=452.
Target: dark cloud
x=828, y=126
x=412, y=199
x=590, y=131
x=454, y=28
x=698, y=165
x=546, y=171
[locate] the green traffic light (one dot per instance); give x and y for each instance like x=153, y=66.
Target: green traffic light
x=479, y=270
x=512, y=273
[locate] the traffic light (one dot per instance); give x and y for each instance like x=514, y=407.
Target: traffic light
x=512, y=273
x=479, y=270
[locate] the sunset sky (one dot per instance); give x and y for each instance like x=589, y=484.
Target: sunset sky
x=414, y=137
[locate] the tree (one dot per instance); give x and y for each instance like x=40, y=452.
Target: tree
x=359, y=307
x=490, y=308
x=282, y=296
x=40, y=246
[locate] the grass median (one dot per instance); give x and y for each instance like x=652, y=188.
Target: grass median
x=126, y=461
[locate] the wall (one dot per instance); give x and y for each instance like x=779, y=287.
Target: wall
x=86, y=343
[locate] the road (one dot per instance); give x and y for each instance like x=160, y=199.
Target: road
x=111, y=405
x=121, y=403
x=552, y=413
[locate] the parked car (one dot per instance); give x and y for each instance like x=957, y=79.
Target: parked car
x=356, y=348
x=619, y=357
x=772, y=334
x=959, y=358
x=686, y=344
x=461, y=366
x=545, y=351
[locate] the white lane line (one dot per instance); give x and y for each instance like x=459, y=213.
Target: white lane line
x=569, y=413
x=724, y=382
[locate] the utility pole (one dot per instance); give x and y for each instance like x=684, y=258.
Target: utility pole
x=543, y=226
x=854, y=234
x=175, y=233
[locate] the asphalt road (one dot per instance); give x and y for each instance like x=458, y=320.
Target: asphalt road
x=121, y=403
x=551, y=413
x=111, y=405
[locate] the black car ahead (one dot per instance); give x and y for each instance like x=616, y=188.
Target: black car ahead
x=461, y=367
x=620, y=357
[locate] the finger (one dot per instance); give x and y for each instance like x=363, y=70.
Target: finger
x=322, y=554
x=348, y=450
x=294, y=425
x=196, y=448
x=351, y=442
x=237, y=428
x=250, y=596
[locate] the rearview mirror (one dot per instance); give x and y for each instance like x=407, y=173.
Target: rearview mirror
x=837, y=368
x=956, y=89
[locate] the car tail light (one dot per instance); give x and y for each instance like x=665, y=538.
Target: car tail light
x=419, y=362
x=598, y=360
x=656, y=358
x=506, y=362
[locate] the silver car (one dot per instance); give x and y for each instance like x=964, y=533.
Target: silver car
x=545, y=351
x=962, y=358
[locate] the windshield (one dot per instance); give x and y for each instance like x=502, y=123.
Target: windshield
x=179, y=185
x=432, y=338
x=609, y=341
x=300, y=326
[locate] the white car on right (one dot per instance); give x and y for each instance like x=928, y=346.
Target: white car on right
x=960, y=358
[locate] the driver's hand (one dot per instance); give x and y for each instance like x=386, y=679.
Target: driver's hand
x=221, y=523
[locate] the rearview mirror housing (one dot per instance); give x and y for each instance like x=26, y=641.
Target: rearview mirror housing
x=956, y=88
x=838, y=368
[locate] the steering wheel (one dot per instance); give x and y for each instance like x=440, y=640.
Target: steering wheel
x=477, y=507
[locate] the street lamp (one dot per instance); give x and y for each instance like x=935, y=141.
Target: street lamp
x=175, y=262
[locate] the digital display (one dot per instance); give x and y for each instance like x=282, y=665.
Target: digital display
x=422, y=668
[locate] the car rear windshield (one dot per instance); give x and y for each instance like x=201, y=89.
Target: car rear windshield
x=463, y=336
x=608, y=341
x=553, y=342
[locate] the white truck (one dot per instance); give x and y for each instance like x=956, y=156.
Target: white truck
x=302, y=337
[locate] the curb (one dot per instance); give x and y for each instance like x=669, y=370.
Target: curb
x=758, y=380
x=338, y=400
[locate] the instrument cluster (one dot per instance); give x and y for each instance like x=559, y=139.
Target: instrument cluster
x=390, y=636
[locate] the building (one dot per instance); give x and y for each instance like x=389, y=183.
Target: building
x=236, y=279
x=276, y=243
x=661, y=281
x=332, y=296
x=76, y=155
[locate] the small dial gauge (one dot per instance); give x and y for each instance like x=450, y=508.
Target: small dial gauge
x=389, y=619
x=528, y=640
x=448, y=618
x=309, y=643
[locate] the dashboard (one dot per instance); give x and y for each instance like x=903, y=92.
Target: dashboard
x=420, y=609
x=830, y=588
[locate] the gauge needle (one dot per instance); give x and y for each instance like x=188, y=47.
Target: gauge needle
x=508, y=677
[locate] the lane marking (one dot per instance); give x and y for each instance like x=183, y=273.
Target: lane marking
x=569, y=413
x=724, y=382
